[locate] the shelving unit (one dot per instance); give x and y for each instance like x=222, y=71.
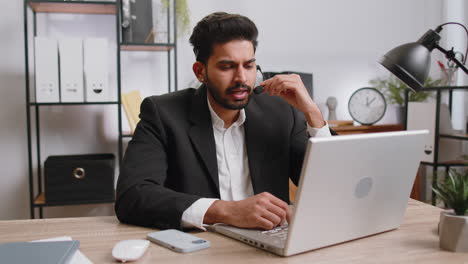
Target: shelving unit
x=147, y=47
x=437, y=136
x=37, y=195
x=348, y=130
x=75, y=103
x=73, y=7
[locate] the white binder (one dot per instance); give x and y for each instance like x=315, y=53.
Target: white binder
x=71, y=70
x=95, y=70
x=47, y=71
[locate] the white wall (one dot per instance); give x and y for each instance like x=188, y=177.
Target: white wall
x=13, y=151
x=455, y=36
x=338, y=41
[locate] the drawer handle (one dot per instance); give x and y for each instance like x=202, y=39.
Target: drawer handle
x=79, y=173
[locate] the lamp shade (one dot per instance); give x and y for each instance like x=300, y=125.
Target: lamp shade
x=410, y=63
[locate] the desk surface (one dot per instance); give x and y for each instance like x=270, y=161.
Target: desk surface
x=414, y=241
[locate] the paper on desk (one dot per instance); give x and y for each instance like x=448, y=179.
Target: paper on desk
x=78, y=258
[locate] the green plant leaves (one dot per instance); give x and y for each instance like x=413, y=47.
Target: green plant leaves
x=183, y=15
x=453, y=190
x=394, y=90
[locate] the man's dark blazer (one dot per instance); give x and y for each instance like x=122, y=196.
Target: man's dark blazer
x=171, y=160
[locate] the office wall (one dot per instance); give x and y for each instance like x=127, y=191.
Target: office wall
x=337, y=40
x=13, y=162
x=455, y=36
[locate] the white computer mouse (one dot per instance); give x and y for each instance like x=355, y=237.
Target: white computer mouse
x=130, y=250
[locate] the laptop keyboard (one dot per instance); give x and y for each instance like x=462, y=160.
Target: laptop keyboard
x=280, y=232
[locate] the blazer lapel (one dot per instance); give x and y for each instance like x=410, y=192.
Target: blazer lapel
x=256, y=134
x=201, y=134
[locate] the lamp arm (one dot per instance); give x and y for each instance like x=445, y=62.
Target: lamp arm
x=450, y=55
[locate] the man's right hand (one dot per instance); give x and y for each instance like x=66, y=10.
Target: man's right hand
x=263, y=211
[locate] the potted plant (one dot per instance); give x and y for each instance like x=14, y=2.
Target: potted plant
x=453, y=226
x=182, y=13
x=394, y=91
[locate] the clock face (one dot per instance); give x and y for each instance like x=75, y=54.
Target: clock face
x=367, y=106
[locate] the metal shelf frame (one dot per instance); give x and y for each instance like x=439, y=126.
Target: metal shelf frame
x=75, y=103
x=36, y=189
x=436, y=163
x=39, y=201
x=74, y=7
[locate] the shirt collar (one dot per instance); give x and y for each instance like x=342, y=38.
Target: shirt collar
x=219, y=123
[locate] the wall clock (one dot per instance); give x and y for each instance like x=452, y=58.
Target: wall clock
x=367, y=105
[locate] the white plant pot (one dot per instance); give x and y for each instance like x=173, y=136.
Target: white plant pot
x=393, y=115
x=400, y=114
x=453, y=232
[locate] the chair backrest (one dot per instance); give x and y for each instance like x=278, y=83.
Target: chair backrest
x=131, y=102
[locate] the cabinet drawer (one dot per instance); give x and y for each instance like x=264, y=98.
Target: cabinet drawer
x=79, y=178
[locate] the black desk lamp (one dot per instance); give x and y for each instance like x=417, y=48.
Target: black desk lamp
x=410, y=62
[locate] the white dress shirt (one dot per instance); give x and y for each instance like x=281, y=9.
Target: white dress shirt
x=233, y=168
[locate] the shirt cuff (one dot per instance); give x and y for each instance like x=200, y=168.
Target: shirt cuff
x=193, y=216
x=319, y=132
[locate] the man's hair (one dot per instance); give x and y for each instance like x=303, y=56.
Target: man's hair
x=219, y=28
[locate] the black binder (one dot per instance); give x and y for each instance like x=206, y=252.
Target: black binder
x=137, y=21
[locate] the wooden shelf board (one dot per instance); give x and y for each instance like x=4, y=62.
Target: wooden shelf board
x=337, y=123
x=92, y=7
x=76, y=103
x=40, y=199
x=435, y=88
x=455, y=136
x=447, y=163
x=146, y=47
x=127, y=134
x=455, y=162
x=343, y=130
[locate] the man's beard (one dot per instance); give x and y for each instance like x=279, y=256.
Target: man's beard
x=224, y=102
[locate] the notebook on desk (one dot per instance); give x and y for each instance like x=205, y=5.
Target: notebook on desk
x=350, y=187
x=77, y=258
x=54, y=252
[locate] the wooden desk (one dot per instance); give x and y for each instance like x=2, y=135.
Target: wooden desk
x=414, y=242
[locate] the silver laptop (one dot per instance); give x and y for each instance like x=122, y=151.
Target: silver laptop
x=350, y=187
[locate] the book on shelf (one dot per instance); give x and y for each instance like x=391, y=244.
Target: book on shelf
x=131, y=102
